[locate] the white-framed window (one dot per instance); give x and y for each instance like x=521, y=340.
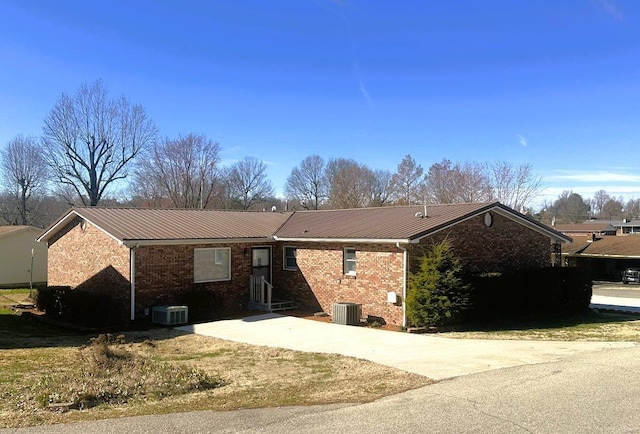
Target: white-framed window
x=350, y=261
x=290, y=262
x=211, y=264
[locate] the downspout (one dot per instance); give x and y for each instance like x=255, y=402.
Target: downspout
x=132, y=279
x=404, y=284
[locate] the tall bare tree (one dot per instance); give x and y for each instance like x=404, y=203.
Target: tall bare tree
x=24, y=176
x=407, y=183
x=248, y=183
x=600, y=197
x=612, y=209
x=380, y=185
x=632, y=208
x=307, y=184
x=90, y=140
x=457, y=183
x=349, y=183
x=514, y=186
x=182, y=170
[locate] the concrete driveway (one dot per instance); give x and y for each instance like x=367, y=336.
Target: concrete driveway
x=433, y=356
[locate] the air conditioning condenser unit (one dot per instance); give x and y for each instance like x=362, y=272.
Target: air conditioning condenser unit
x=346, y=313
x=169, y=315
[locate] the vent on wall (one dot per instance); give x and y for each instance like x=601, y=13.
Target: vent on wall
x=169, y=315
x=346, y=313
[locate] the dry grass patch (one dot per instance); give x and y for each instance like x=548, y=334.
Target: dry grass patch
x=213, y=374
x=592, y=326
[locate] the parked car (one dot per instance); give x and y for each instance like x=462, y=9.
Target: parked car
x=631, y=275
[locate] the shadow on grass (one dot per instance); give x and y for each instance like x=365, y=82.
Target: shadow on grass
x=24, y=331
x=590, y=318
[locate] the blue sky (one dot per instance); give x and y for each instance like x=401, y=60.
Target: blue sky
x=552, y=83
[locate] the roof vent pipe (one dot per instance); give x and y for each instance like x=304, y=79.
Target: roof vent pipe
x=425, y=210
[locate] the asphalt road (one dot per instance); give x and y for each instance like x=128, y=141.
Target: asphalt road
x=596, y=392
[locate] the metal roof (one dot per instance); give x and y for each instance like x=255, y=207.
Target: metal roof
x=382, y=224
x=137, y=224
x=584, y=227
x=623, y=246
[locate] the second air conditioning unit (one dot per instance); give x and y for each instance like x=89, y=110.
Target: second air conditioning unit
x=346, y=313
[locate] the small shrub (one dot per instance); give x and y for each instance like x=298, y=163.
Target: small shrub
x=52, y=300
x=90, y=308
x=437, y=294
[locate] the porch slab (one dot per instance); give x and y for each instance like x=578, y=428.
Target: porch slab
x=433, y=356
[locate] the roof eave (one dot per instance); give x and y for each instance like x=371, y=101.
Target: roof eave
x=192, y=241
x=344, y=240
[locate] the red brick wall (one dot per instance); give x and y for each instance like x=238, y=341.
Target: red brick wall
x=505, y=245
x=86, y=258
x=164, y=273
x=319, y=281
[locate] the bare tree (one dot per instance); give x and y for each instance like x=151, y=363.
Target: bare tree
x=612, y=209
x=407, y=183
x=90, y=140
x=24, y=176
x=457, y=183
x=514, y=186
x=183, y=170
x=380, y=185
x=247, y=182
x=308, y=184
x=349, y=183
x=632, y=208
x=600, y=197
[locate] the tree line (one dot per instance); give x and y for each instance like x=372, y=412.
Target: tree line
x=91, y=143
x=571, y=207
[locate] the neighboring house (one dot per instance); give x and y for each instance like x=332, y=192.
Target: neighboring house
x=16, y=244
x=607, y=258
x=312, y=258
x=626, y=226
x=587, y=229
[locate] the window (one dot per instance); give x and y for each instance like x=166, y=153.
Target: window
x=211, y=265
x=290, y=262
x=350, y=261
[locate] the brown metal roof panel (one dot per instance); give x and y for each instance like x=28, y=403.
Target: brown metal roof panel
x=163, y=224
x=624, y=245
x=396, y=222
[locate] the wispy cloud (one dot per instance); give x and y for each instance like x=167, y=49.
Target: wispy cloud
x=601, y=176
x=523, y=140
x=356, y=69
x=361, y=86
x=610, y=7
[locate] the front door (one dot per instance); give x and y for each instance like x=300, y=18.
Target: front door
x=261, y=262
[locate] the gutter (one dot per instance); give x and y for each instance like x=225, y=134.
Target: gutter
x=404, y=283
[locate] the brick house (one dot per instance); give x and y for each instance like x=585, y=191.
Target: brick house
x=314, y=259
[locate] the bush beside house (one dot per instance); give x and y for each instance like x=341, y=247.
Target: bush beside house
x=436, y=293
x=439, y=293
